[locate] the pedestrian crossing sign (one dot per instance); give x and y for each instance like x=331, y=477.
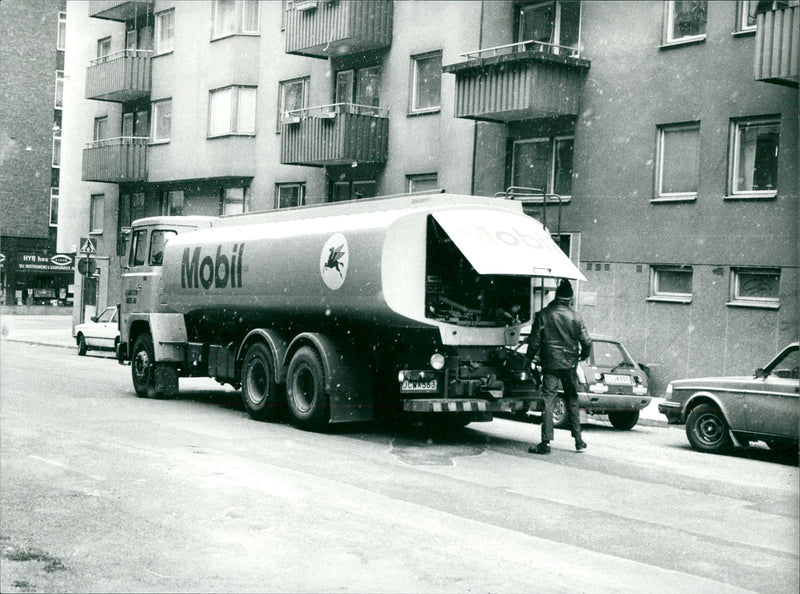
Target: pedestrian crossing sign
x=88, y=245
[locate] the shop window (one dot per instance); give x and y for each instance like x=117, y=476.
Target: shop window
x=232, y=110
x=671, y=283
x=678, y=162
x=685, y=21
x=426, y=82
x=544, y=164
x=754, y=157
x=233, y=17
x=165, y=31
x=288, y=195
x=755, y=287
x=96, y=213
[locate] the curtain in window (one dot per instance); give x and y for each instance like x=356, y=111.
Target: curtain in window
x=250, y=10
x=368, y=83
x=219, y=117
x=562, y=177
x=163, y=117
x=344, y=86
x=225, y=22
x=246, y=121
x=689, y=18
x=166, y=31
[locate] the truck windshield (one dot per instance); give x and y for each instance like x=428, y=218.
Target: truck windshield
x=457, y=294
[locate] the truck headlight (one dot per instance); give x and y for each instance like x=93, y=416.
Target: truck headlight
x=669, y=390
x=437, y=361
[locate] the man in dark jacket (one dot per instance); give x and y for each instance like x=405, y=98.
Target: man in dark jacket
x=558, y=341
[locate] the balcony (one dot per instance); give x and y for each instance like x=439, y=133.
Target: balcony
x=116, y=160
x=777, y=58
x=338, y=134
x=325, y=28
x=120, y=10
x=119, y=77
x=520, y=81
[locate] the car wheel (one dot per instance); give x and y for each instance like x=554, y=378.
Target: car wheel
x=82, y=348
x=560, y=413
x=309, y=404
x=143, y=370
x=707, y=430
x=624, y=420
x=260, y=392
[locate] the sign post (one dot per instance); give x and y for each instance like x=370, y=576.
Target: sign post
x=86, y=267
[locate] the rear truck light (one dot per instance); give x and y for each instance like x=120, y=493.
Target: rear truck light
x=437, y=361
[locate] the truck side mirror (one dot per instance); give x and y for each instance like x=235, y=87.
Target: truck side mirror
x=760, y=372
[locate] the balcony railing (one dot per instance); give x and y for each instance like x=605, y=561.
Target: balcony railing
x=777, y=55
x=116, y=160
x=337, y=134
x=122, y=76
x=519, y=81
x=120, y=10
x=325, y=28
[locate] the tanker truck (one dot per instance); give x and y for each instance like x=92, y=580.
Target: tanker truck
x=341, y=312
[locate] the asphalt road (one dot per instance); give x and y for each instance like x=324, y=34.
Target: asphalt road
x=105, y=492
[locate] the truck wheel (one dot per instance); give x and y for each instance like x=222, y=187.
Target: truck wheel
x=707, y=430
x=309, y=405
x=624, y=420
x=143, y=366
x=560, y=413
x=82, y=348
x=260, y=392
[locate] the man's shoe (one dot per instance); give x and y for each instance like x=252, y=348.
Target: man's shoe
x=580, y=445
x=542, y=448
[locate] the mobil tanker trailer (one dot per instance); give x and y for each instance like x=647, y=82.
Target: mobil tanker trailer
x=339, y=312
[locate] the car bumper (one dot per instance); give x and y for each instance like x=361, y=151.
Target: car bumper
x=612, y=402
x=672, y=410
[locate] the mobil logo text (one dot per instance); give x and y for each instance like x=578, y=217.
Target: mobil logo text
x=220, y=269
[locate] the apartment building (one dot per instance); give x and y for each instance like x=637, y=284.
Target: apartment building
x=32, y=41
x=661, y=139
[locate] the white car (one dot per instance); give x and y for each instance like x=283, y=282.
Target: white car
x=102, y=333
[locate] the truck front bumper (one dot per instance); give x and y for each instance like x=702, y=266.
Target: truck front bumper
x=468, y=405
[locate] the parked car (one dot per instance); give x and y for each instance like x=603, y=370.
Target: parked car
x=761, y=407
x=610, y=383
x=101, y=333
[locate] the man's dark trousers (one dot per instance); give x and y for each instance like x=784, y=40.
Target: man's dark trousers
x=568, y=379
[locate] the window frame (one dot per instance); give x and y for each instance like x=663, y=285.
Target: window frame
x=56, y=161
x=100, y=128
x=669, y=296
x=239, y=13
x=155, y=109
x=667, y=35
x=102, y=44
x=58, y=99
x=158, y=48
x=54, y=195
x=660, y=195
x=282, y=85
x=301, y=186
x=138, y=238
x=96, y=199
x=160, y=235
x=743, y=8
x=167, y=203
x=61, y=36
x=234, y=111
x=413, y=108
x=415, y=178
x=226, y=201
x=734, y=156
x=557, y=27
x=738, y=300
x=553, y=144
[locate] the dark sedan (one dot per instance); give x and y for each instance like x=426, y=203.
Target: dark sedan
x=720, y=410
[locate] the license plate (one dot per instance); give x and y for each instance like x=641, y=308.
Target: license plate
x=617, y=379
x=429, y=386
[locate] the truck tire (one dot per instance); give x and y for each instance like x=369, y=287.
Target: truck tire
x=624, y=420
x=260, y=392
x=707, y=429
x=309, y=405
x=143, y=371
x=82, y=348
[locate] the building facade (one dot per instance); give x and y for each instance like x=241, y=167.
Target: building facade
x=660, y=146
x=32, y=42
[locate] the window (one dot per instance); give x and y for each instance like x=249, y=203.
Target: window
x=426, y=82
x=103, y=47
x=53, y=207
x=553, y=26
x=138, y=252
x=746, y=16
x=544, y=164
x=61, y=43
x=162, y=121
x=100, y=128
x=96, y=212
x=423, y=182
x=158, y=239
x=361, y=86
x=57, y=148
x=685, y=21
x=233, y=200
x=671, y=283
x=232, y=111
x=678, y=162
x=135, y=124
x=165, y=31
x=232, y=17
x=342, y=190
x=293, y=94
x=755, y=287
x=59, y=100
x=173, y=203
x=287, y=195
x=754, y=157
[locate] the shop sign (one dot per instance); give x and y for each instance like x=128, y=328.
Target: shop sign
x=33, y=262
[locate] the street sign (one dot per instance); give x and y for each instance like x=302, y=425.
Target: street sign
x=88, y=246
x=87, y=266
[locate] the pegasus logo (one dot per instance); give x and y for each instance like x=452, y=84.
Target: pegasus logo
x=335, y=259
